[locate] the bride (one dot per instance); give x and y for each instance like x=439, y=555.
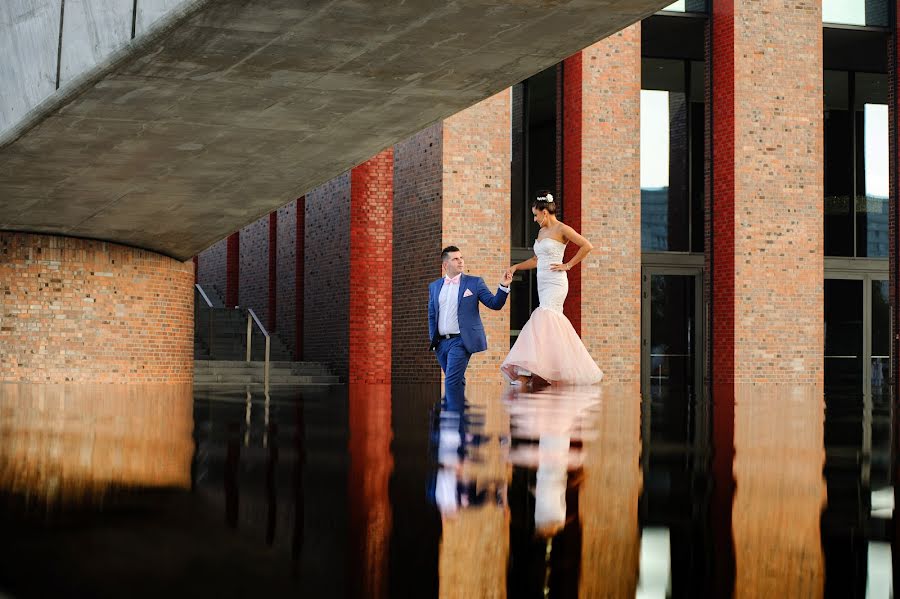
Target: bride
x=548, y=348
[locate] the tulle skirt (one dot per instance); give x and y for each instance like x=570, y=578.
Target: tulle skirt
x=549, y=347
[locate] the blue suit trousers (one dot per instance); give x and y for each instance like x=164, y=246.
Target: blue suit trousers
x=454, y=359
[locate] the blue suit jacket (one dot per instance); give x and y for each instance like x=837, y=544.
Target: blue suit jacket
x=471, y=330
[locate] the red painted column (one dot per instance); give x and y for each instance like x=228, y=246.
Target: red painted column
x=298, y=278
x=572, y=165
x=722, y=241
x=273, y=270
x=371, y=258
x=233, y=270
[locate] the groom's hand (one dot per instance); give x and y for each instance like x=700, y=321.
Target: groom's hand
x=507, y=278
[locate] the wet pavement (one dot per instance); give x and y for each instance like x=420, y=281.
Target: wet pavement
x=379, y=491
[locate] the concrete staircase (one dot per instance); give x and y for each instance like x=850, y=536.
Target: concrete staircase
x=214, y=373
x=220, y=352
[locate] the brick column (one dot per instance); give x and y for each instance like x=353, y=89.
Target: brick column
x=767, y=185
x=476, y=208
x=417, y=250
x=371, y=267
x=602, y=200
x=233, y=270
x=76, y=310
x=271, y=312
x=300, y=276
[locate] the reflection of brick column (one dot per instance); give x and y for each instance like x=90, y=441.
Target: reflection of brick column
x=371, y=259
x=371, y=464
x=767, y=234
x=476, y=187
x=602, y=199
x=610, y=492
x=778, y=503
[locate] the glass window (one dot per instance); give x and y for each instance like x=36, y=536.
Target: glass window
x=881, y=338
x=871, y=113
x=671, y=156
x=843, y=335
x=838, y=165
x=698, y=6
x=855, y=12
x=856, y=164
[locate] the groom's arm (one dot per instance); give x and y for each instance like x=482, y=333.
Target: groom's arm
x=491, y=300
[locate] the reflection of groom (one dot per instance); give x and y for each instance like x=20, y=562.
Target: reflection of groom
x=454, y=322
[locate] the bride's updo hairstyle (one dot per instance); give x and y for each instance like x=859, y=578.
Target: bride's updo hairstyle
x=545, y=201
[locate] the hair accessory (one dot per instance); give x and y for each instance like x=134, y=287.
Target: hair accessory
x=546, y=198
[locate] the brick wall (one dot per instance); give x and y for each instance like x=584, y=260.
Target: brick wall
x=212, y=265
x=326, y=295
x=767, y=193
x=76, y=310
x=286, y=276
x=610, y=277
x=254, y=271
x=476, y=209
x=417, y=247
x=371, y=267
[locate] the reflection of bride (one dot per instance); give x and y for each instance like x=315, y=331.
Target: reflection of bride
x=548, y=348
x=547, y=430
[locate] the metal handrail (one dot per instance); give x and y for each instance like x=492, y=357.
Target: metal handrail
x=251, y=318
x=209, y=320
x=203, y=295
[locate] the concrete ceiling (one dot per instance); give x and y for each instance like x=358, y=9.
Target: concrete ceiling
x=243, y=105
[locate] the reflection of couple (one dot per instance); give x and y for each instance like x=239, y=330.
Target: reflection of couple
x=548, y=349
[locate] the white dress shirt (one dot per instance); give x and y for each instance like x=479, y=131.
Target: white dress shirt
x=448, y=304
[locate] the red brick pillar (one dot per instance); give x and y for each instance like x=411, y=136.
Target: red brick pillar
x=476, y=208
x=602, y=199
x=299, y=277
x=233, y=270
x=84, y=311
x=767, y=185
x=273, y=271
x=371, y=258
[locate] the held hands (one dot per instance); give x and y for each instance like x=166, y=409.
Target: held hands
x=557, y=267
x=507, y=278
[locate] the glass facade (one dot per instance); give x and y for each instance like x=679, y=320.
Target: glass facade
x=856, y=164
x=863, y=13
x=672, y=172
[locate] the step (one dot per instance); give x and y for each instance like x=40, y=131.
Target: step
x=205, y=379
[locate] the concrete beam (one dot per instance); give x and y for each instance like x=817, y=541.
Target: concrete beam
x=243, y=105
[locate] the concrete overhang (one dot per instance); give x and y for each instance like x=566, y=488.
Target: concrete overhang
x=240, y=106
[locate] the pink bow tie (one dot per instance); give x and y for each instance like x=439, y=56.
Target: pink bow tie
x=453, y=281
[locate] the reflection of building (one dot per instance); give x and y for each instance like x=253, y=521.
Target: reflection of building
x=716, y=210
x=70, y=443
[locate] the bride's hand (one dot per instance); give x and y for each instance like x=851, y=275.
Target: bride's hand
x=558, y=267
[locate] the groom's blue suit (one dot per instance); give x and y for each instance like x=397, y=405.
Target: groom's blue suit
x=453, y=354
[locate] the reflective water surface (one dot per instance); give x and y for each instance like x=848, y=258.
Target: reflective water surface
x=379, y=491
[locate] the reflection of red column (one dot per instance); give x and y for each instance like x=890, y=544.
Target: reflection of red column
x=371, y=464
x=722, y=583
x=571, y=202
x=298, y=277
x=232, y=269
x=371, y=257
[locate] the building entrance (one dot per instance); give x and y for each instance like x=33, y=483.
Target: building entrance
x=671, y=330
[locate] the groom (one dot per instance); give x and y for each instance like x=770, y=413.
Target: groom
x=453, y=319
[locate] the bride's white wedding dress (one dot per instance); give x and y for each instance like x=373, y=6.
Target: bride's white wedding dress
x=548, y=345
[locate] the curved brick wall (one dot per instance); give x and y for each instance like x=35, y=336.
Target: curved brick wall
x=74, y=310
